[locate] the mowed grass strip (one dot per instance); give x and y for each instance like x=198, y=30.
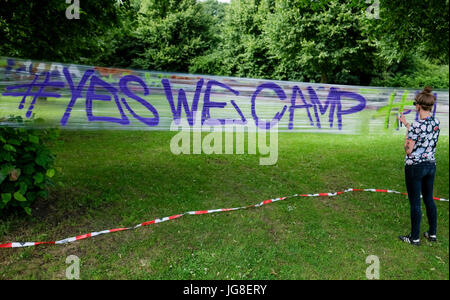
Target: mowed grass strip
x=112, y=179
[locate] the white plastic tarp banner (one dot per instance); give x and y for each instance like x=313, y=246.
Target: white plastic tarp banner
x=88, y=97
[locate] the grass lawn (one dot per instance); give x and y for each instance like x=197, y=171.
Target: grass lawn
x=110, y=179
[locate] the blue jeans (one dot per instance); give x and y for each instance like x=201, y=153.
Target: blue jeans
x=419, y=180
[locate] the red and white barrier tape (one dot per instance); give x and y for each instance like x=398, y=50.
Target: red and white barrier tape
x=198, y=212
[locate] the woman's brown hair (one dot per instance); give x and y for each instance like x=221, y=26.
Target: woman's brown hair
x=426, y=99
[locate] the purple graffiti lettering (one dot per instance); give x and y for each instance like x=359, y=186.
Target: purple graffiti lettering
x=91, y=96
x=405, y=112
x=21, y=69
x=11, y=63
x=76, y=92
x=208, y=104
x=176, y=112
x=435, y=104
x=29, y=92
x=55, y=73
x=332, y=99
x=296, y=90
x=243, y=120
x=360, y=106
x=123, y=84
x=280, y=93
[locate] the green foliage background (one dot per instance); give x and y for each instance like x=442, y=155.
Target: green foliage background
x=330, y=41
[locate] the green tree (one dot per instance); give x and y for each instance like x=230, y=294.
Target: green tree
x=242, y=50
x=122, y=42
x=216, y=9
x=171, y=33
x=40, y=30
x=324, y=42
x=318, y=41
x=407, y=26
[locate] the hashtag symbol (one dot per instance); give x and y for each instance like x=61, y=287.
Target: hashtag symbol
x=30, y=93
x=391, y=105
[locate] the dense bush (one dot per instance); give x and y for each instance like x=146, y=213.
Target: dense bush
x=161, y=35
x=25, y=163
x=417, y=73
x=292, y=40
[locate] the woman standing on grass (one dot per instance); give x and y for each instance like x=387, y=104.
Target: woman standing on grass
x=420, y=165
